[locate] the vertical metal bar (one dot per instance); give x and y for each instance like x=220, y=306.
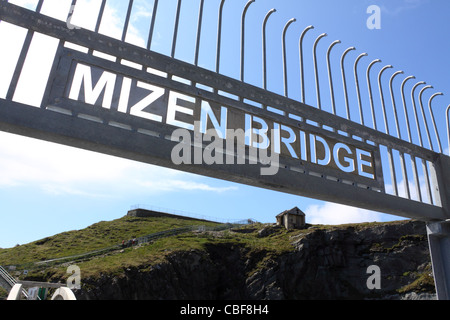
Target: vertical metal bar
x=434, y=121
x=394, y=105
x=199, y=31
x=447, y=115
x=22, y=57
x=41, y=2
x=427, y=180
x=99, y=22
x=423, y=115
x=439, y=246
x=175, y=32
x=369, y=86
x=415, y=111
x=383, y=105
x=302, y=75
x=416, y=177
x=439, y=178
x=316, y=72
x=264, y=53
x=127, y=20
x=405, y=110
x=100, y=16
x=219, y=36
x=405, y=175
x=355, y=69
x=45, y=96
x=392, y=170
x=152, y=25
x=330, y=77
x=284, y=55
x=244, y=13
x=344, y=80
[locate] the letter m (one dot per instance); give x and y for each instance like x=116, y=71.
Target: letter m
x=106, y=84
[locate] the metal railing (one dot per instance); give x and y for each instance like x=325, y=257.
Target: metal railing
x=11, y=281
x=191, y=215
x=407, y=158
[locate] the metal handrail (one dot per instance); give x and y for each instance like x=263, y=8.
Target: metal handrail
x=10, y=280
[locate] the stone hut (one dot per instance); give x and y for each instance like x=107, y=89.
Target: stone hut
x=292, y=219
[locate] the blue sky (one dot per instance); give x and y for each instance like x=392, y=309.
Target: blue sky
x=47, y=189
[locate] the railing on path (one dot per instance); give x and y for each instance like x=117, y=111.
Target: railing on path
x=10, y=281
x=141, y=240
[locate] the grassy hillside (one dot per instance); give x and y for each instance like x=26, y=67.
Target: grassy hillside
x=111, y=233
x=259, y=245
x=98, y=236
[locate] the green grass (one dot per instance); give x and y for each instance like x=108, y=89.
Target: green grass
x=105, y=234
x=98, y=236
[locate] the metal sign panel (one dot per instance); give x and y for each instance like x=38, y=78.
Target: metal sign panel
x=133, y=102
x=96, y=90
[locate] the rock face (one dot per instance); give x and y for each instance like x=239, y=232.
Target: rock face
x=325, y=264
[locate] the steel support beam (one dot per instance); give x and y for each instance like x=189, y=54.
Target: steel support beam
x=439, y=242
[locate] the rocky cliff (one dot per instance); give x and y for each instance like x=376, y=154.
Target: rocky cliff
x=324, y=263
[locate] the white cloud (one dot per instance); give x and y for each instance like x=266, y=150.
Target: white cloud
x=184, y=185
x=404, y=6
x=58, y=170
x=335, y=214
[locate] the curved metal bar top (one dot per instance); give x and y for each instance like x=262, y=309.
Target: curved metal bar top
x=415, y=111
x=330, y=77
x=394, y=105
x=423, y=114
x=383, y=105
x=405, y=110
x=369, y=86
x=302, y=75
x=316, y=72
x=355, y=69
x=344, y=80
x=264, y=53
x=434, y=121
x=284, y=55
x=219, y=36
x=244, y=13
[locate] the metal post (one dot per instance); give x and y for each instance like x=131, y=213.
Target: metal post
x=419, y=131
x=264, y=53
x=175, y=33
x=394, y=105
x=199, y=31
x=284, y=55
x=405, y=110
x=383, y=105
x=219, y=36
x=302, y=75
x=330, y=77
x=434, y=121
x=423, y=114
x=244, y=13
x=369, y=86
x=315, y=69
x=344, y=80
x=439, y=243
x=357, y=86
x=439, y=231
x=152, y=24
x=447, y=115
